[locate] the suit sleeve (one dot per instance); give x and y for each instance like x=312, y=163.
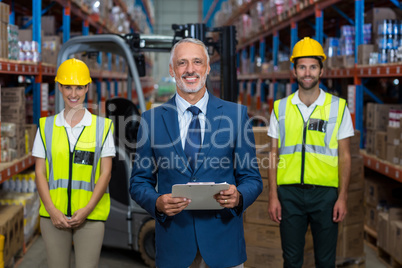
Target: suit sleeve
x=143, y=176
x=248, y=177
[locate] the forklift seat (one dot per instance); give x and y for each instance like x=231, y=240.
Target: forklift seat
x=126, y=120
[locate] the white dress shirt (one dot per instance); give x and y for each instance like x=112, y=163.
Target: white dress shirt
x=345, y=129
x=185, y=115
x=108, y=148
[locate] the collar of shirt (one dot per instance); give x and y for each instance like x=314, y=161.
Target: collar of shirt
x=85, y=121
x=319, y=101
x=182, y=104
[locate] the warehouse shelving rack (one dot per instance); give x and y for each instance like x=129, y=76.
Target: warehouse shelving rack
x=288, y=21
x=40, y=71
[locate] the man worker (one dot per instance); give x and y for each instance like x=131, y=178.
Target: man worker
x=195, y=137
x=308, y=184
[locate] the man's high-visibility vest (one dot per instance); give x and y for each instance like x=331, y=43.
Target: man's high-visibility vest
x=72, y=176
x=309, y=150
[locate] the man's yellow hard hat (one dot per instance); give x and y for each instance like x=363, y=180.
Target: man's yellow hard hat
x=73, y=72
x=307, y=47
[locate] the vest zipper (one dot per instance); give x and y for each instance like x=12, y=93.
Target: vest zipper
x=303, y=151
x=70, y=179
x=70, y=172
x=303, y=156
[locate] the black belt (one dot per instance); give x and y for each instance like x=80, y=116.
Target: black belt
x=302, y=186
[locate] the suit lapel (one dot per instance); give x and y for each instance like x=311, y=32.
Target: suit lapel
x=172, y=125
x=213, y=119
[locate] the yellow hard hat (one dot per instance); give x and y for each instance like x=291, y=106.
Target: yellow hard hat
x=307, y=47
x=73, y=72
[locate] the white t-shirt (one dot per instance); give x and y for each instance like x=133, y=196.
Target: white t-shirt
x=108, y=148
x=345, y=129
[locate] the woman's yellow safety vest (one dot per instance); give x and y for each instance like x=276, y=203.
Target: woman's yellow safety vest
x=308, y=151
x=72, y=176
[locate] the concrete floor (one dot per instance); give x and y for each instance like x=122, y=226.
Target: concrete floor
x=35, y=257
x=111, y=257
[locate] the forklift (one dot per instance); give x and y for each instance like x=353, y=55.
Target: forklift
x=129, y=226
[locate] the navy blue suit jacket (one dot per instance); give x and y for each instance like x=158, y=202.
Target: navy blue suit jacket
x=227, y=155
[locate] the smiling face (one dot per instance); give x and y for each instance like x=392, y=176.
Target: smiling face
x=307, y=73
x=73, y=96
x=190, y=68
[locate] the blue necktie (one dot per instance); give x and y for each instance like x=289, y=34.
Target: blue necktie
x=193, y=140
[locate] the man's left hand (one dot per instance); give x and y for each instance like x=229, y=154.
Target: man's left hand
x=228, y=198
x=339, y=211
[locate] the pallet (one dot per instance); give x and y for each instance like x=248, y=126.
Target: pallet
x=387, y=259
x=351, y=262
x=370, y=237
x=17, y=259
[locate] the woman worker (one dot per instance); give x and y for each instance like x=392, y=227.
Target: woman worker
x=73, y=151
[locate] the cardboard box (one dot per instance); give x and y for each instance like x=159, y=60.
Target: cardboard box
x=258, y=257
x=50, y=48
x=356, y=174
x=30, y=133
x=364, y=53
x=378, y=115
x=381, y=144
x=25, y=34
x=266, y=236
x=396, y=240
x=370, y=141
x=355, y=206
x=262, y=141
x=258, y=213
x=376, y=16
x=371, y=217
x=382, y=231
x=4, y=12
x=384, y=228
x=12, y=227
x=263, y=161
x=394, y=135
x=378, y=190
x=393, y=154
x=350, y=240
x=348, y=61
x=355, y=144
x=265, y=191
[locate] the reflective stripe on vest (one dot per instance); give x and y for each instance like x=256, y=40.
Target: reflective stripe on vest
x=71, y=187
x=309, y=155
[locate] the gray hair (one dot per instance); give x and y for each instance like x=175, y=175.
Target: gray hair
x=188, y=40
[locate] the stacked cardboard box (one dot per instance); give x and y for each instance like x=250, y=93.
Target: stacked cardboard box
x=13, y=111
x=50, y=48
x=262, y=235
x=351, y=229
x=11, y=227
x=30, y=203
x=380, y=193
x=394, y=145
x=4, y=20
x=377, y=121
x=388, y=231
x=262, y=140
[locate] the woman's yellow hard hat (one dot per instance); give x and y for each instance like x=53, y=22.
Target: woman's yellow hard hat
x=73, y=72
x=307, y=47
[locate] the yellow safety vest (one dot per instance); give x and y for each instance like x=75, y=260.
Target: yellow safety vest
x=308, y=151
x=72, y=176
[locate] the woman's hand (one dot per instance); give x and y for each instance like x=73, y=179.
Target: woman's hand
x=59, y=220
x=79, y=217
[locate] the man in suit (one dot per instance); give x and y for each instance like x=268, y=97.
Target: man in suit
x=195, y=137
